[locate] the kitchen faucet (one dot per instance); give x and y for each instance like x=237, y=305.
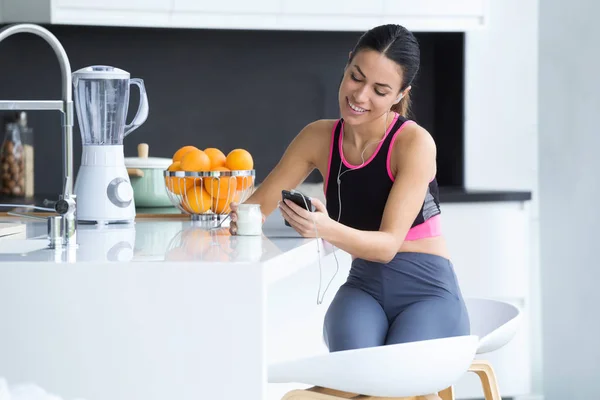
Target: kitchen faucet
x=65, y=234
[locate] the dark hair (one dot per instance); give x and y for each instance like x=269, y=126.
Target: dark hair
x=399, y=45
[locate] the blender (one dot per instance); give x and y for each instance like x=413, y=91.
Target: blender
x=101, y=96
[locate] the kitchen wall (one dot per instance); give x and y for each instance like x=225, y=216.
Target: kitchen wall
x=569, y=101
x=227, y=89
x=501, y=130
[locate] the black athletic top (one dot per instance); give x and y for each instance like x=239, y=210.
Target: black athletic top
x=364, y=189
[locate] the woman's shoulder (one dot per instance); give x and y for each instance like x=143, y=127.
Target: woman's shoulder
x=412, y=135
x=413, y=145
x=319, y=130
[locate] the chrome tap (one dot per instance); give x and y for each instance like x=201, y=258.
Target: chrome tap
x=66, y=205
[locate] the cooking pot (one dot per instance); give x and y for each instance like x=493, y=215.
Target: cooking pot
x=147, y=178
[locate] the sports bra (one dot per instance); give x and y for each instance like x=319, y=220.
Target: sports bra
x=364, y=190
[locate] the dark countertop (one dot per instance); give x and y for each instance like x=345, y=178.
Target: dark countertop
x=461, y=195
x=447, y=195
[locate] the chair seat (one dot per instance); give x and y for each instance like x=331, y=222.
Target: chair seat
x=400, y=370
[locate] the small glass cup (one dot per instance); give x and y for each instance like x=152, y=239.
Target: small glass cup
x=249, y=220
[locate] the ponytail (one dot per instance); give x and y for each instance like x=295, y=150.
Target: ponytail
x=403, y=106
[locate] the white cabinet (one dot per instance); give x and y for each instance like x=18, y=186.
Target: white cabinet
x=331, y=15
x=233, y=14
x=490, y=244
x=148, y=13
x=229, y=7
x=436, y=15
x=127, y=5
x=456, y=8
x=357, y=8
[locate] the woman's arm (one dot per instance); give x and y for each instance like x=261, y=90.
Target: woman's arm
x=415, y=165
x=298, y=161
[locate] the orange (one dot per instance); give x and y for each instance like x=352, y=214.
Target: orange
x=177, y=185
x=181, y=152
x=195, y=242
x=222, y=187
x=239, y=160
x=217, y=158
x=197, y=200
x=244, y=182
x=195, y=161
x=221, y=206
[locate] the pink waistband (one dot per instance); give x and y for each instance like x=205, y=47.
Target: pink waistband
x=431, y=227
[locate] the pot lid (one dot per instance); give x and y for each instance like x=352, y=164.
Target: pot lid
x=143, y=161
x=148, y=162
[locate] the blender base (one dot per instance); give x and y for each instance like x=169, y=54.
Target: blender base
x=103, y=190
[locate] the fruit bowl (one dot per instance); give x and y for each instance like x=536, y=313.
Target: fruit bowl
x=206, y=196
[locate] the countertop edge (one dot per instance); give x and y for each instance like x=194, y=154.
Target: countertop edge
x=478, y=196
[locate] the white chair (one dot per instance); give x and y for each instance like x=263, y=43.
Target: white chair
x=400, y=370
x=496, y=323
x=406, y=370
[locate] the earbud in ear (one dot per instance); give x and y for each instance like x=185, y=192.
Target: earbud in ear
x=399, y=97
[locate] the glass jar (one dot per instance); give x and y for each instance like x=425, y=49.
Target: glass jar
x=12, y=161
x=28, y=154
x=249, y=220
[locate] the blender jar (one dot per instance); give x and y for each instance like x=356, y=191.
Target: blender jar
x=102, y=100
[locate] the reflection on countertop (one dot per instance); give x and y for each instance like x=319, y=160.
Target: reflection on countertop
x=152, y=240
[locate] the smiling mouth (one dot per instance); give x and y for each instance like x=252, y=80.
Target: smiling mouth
x=354, y=107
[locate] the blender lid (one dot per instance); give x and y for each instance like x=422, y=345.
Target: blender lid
x=147, y=162
x=101, y=72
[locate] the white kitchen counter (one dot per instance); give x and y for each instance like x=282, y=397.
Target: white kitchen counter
x=161, y=310
x=168, y=240
x=187, y=314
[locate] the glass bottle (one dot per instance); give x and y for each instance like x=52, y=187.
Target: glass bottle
x=12, y=162
x=27, y=141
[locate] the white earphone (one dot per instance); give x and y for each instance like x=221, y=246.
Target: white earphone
x=339, y=181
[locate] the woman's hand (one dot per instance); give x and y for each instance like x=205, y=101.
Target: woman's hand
x=233, y=218
x=306, y=223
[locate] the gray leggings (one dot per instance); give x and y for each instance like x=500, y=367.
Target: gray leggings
x=414, y=297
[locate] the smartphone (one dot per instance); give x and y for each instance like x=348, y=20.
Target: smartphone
x=298, y=198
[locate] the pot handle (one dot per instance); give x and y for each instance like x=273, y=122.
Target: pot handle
x=142, y=150
x=135, y=172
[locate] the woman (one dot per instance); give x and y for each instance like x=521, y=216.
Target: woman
x=382, y=203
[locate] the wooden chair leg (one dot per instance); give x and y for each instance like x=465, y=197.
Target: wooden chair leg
x=390, y=398
x=488, y=379
x=336, y=393
x=320, y=393
x=447, y=394
x=308, y=394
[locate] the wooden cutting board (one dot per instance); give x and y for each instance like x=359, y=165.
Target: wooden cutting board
x=7, y=229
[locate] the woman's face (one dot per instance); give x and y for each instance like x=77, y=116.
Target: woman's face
x=370, y=87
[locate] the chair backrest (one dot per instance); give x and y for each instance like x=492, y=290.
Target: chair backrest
x=495, y=322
